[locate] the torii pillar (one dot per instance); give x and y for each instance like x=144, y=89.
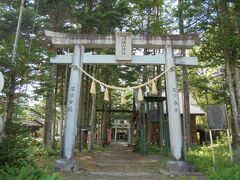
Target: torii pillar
x=174, y=117
x=73, y=102
x=68, y=163
x=123, y=42
x=1, y=119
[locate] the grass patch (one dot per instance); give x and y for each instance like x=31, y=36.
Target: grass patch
x=154, y=149
x=201, y=158
x=28, y=172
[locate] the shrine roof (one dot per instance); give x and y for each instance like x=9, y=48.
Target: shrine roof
x=194, y=108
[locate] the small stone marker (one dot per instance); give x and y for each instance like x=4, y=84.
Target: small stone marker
x=217, y=116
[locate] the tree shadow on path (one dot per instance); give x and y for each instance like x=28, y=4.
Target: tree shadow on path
x=117, y=161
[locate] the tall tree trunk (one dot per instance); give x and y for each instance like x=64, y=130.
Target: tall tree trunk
x=236, y=86
x=57, y=18
x=146, y=124
x=105, y=115
x=81, y=112
x=93, y=115
x=81, y=102
x=160, y=106
x=47, y=138
x=92, y=121
x=87, y=97
x=64, y=80
x=186, y=109
x=89, y=110
x=105, y=122
x=54, y=108
x=11, y=93
x=149, y=128
x=232, y=97
x=227, y=27
x=10, y=96
x=236, y=77
x=185, y=89
x=99, y=99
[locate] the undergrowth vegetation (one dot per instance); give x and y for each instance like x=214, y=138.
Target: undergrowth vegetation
x=19, y=152
x=201, y=158
x=26, y=172
x=154, y=149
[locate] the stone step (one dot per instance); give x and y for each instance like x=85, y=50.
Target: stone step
x=124, y=174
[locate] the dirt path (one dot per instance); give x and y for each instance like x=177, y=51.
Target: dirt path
x=119, y=162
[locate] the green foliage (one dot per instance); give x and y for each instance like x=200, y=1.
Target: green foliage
x=201, y=158
x=149, y=17
x=52, y=151
x=26, y=173
x=98, y=148
x=18, y=155
x=201, y=126
x=100, y=16
x=19, y=148
x=154, y=149
x=230, y=173
x=136, y=144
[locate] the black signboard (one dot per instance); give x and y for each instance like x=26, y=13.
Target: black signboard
x=217, y=116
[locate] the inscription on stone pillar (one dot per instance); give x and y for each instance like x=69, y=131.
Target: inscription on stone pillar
x=123, y=46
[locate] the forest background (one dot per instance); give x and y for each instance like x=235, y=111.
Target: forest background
x=34, y=88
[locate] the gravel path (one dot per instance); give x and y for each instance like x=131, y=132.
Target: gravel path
x=119, y=162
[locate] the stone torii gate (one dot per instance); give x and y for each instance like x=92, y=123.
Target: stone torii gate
x=123, y=42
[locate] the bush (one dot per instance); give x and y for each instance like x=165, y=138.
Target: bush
x=153, y=149
x=19, y=152
x=26, y=173
x=136, y=144
x=201, y=158
x=18, y=148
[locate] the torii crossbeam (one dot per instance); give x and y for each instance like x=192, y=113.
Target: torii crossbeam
x=123, y=43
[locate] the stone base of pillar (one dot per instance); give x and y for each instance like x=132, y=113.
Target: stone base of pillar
x=180, y=168
x=69, y=165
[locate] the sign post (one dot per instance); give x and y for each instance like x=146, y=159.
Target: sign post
x=211, y=141
x=217, y=120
